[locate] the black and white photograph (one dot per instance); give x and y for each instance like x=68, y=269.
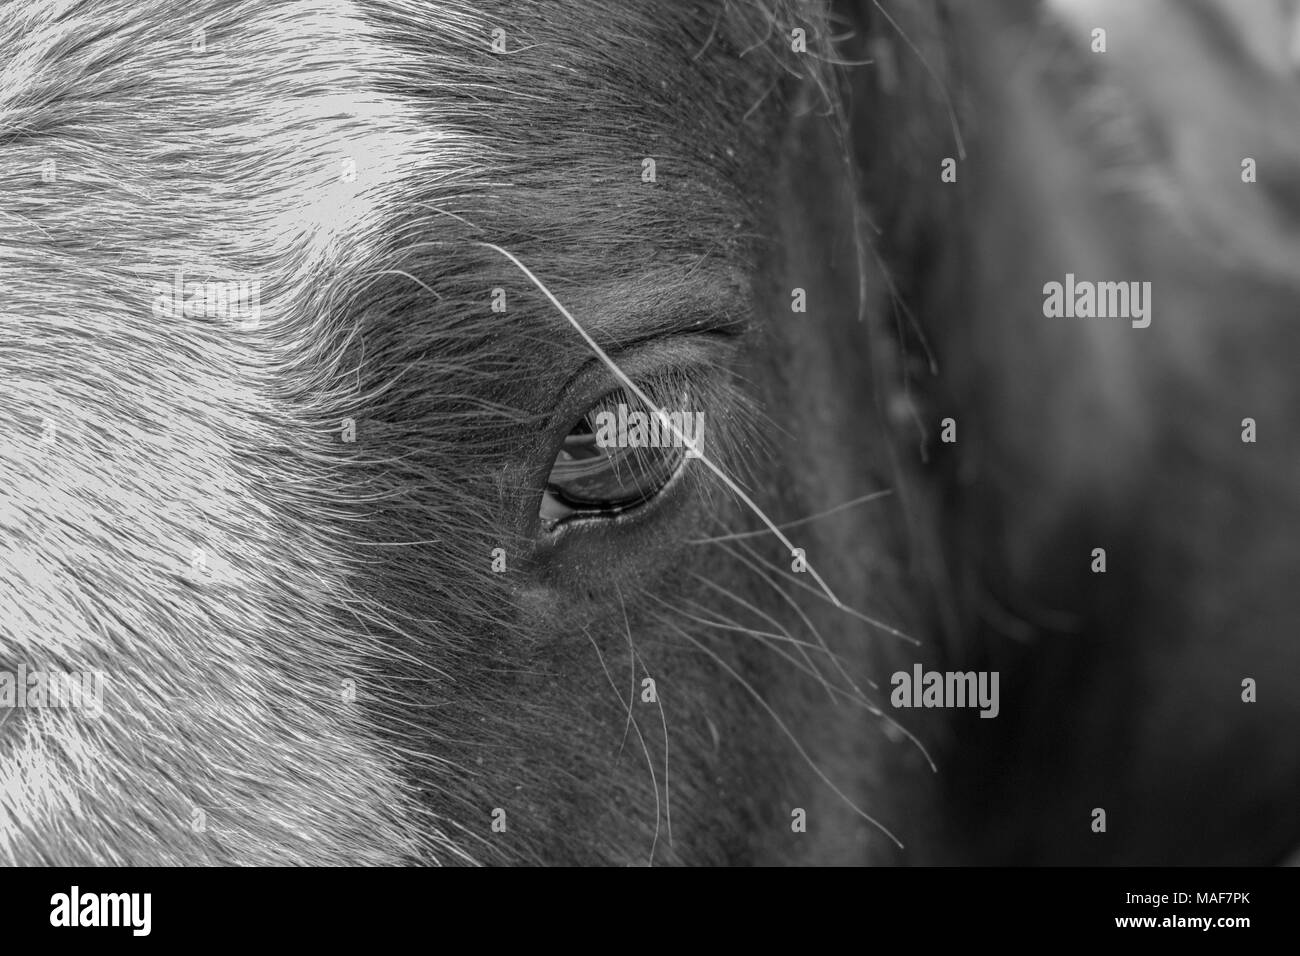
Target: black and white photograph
x=650, y=433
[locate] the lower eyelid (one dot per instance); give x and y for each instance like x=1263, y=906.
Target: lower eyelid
x=574, y=521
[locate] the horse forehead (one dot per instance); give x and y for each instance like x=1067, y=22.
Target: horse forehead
x=613, y=127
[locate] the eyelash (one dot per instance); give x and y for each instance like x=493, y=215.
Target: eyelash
x=617, y=457
x=687, y=388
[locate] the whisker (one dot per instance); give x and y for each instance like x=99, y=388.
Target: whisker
x=884, y=493
x=855, y=696
x=887, y=628
x=806, y=620
x=767, y=617
x=786, y=730
x=730, y=624
x=764, y=637
x=861, y=696
x=663, y=719
x=943, y=87
x=713, y=30
x=759, y=102
x=649, y=763
x=631, y=692
x=754, y=46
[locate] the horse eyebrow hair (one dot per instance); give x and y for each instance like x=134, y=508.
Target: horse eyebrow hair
x=661, y=302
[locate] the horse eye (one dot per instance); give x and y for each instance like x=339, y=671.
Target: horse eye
x=617, y=457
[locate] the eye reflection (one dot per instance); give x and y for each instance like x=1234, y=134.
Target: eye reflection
x=616, y=458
